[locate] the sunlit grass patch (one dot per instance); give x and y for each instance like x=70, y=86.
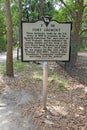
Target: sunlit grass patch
x=57, y=83
x=24, y=66
x=55, y=77
x=38, y=75
x=2, y=68
x=20, y=66
x=58, y=87
x=62, y=84
x=17, y=65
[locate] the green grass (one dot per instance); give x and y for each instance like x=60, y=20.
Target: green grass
x=59, y=87
x=54, y=79
x=20, y=66
x=24, y=66
x=2, y=68
x=38, y=75
x=62, y=85
x=57, y=82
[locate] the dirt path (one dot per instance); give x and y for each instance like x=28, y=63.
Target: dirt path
x=11, y=102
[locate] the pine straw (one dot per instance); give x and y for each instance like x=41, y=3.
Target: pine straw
x=66, y=110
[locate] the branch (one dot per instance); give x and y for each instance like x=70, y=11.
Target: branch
x=85, y=6
x=63, y=3
x=84, y=30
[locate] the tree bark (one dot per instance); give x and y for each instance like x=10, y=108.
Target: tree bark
x=20, y=19
x=9, y=60
x=42, y=7
x=77, y=21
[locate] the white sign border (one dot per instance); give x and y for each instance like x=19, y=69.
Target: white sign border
x=23, y=60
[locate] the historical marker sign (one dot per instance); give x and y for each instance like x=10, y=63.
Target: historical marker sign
x=45, y=41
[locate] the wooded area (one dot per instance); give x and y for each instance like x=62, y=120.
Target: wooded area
x=52, y=98
x=29, y=10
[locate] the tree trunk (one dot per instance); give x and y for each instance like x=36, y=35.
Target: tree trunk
x=42, y=7
x=20, y=19
x=75, y=42
x=9, y=60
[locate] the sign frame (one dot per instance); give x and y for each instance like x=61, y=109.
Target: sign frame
x=50, y=60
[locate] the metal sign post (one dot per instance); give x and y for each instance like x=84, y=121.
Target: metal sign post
x=45, y=71
x=45, y=83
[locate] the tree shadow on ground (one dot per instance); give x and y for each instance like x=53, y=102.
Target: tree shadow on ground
x=79, y=71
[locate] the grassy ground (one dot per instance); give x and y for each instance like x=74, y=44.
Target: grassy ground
x=37, y=70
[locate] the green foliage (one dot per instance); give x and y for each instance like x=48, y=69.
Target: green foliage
x=2, y=28
x=15, y=20
x=3, y=45
x=49, y=8
x=14, y=12
x=84, y=23
x=83, y=46
x=61, y=15
x=32, y=9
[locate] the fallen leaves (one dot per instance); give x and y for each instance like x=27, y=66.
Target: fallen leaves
x=66, y=110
